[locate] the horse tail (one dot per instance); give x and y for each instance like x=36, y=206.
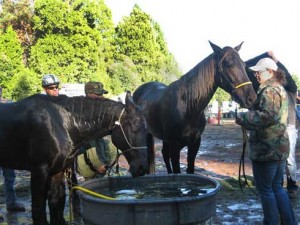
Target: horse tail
x=151, y=153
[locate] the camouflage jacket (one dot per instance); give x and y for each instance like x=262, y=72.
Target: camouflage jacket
x=267, y=123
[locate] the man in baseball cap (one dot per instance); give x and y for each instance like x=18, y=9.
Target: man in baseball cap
x=95, y=154
x=94, y=87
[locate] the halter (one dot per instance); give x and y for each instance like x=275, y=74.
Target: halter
x=243, y=84
x=222, y=72
x=118, y=123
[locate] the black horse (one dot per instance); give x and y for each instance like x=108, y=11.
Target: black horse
x=176, y=113
x=42, y=133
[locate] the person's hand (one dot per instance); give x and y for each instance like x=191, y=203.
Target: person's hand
x=239, y=119
x=271, y=54
x=102, y=169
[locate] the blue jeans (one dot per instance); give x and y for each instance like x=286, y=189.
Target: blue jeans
x=9, y=181
x=298, y=111
x=274, y=199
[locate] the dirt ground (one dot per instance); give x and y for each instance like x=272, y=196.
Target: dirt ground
x=219, y=158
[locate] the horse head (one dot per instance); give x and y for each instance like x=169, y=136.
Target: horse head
x=129, y=135
x=231, y=75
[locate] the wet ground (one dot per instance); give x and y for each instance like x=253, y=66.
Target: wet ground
x=219, y=158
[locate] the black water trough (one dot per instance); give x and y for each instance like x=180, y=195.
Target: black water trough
x=184, y=210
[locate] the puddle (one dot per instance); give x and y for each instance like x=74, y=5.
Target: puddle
x=244, y=206
x=231, y=145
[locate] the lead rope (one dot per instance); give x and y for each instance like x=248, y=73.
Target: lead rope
x=242, y=160
x=242, y=163
x=115, y=162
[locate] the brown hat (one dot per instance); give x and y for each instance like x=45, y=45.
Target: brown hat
x=93, y=87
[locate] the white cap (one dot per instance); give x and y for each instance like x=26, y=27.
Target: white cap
x=263, y=64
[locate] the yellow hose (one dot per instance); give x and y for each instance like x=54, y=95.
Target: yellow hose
x=88, y=192
x=92, y=193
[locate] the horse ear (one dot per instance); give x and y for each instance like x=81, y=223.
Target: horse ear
x=128, y=100
x=237, y=48
x=128, y=97
x=216, y=48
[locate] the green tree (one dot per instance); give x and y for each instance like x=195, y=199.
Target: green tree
x=10, y=59
x=77, y=41
x=297, y=80
x=18, y=14
x=26, y=83
x=166, y=63
x=124, y=76
x=221, y=96
x=139, y=38
x=67, y=41
x=99, y=17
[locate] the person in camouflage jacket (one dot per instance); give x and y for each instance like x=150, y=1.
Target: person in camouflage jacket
x=267, y=123
x=269, y=142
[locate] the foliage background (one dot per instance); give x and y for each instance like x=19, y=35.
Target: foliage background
x=78, y=41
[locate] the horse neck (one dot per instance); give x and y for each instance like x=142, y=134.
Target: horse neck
x=200, y=83
x=92, y=118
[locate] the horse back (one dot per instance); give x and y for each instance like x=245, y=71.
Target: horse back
x=151, y=91
x=147, y=97
x=28, y=131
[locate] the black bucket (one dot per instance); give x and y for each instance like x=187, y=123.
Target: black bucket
x=170, y=211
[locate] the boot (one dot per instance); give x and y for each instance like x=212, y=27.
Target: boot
x=292, y=188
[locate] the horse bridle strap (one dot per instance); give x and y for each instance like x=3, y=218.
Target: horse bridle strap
x=243, y=84
x=118, y=123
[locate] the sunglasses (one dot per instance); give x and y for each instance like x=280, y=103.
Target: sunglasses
x=52, y=87
x=259, y=72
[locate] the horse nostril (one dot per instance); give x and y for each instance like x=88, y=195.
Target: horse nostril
x=250, y=100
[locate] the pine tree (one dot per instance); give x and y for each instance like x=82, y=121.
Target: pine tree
x=140, y=38
x=68, y=41
x=10, y=58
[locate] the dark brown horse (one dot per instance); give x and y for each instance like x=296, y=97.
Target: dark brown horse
x=175, y=113
x=42, y=133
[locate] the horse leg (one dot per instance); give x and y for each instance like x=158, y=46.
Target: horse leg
x=175, y=148
x=38, y=183
x=151, y=153
x=191, y=156
x=166, y=156
x=57, y=198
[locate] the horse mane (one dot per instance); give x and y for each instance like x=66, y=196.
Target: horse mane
x=199, y=81
x=99, y=110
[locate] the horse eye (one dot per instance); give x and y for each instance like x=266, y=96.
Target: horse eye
x=228, y=65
